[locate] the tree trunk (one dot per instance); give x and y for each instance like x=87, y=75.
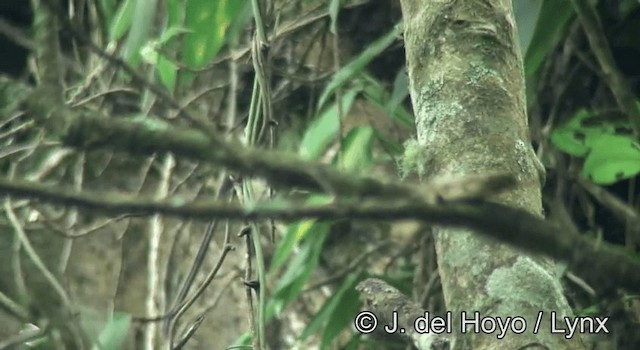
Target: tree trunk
x=467, y=89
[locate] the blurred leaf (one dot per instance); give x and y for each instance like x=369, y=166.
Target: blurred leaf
x=208, y=22
x=141, y=25
x=626, y=7
x=577, y=136
x=375, y=93
x=572, y=137
x=122, y=20
x=347, y=72
x=239, y=24
x=400, y=91
x=551, y=23
x=612, y=158
x=357, y=149
x=334, y=9
x=114, y=333
x=171, y=32
x=342, y=316
x=324, y=128
x=390, y=146
x=592, y=310
x=526, y=13
x=296, y=232
x=167, y=70
x=108, y=8
x=336, y=313
x=299, y=269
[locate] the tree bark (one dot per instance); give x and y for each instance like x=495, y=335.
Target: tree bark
x=467, y=88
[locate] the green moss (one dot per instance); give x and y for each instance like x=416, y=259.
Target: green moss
x=413, y=159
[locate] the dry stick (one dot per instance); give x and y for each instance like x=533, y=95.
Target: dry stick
x=619, y=86
x=604, y=265
x=619, y=208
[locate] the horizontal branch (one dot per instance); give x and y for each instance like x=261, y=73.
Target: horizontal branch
x=88, y=130
x=605, y=266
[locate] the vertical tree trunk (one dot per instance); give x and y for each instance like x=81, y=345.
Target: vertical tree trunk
x=467, y=88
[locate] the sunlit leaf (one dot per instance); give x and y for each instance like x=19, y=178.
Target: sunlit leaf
x=612, y=158
x=296, y=232
x=207, y=21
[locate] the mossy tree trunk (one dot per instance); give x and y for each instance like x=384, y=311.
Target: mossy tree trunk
x=467, y=88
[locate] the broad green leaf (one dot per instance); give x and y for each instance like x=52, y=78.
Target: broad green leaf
x=329, y=316
x=612, y=158
x=347, y=72
x=122, y=20
x=324, y=128
x=208, y=21
x=357, y=149
x=296, y=232
x=577, y=135
x=572, y=137
x=114, y=333
x=343, y=313
x=298, y=270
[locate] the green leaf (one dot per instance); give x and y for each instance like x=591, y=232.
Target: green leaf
x=334, y=9
x=577, y=135
x=357, y=149
x=400, y=91
x=375, y=93
x=336, y=313
x=299, y=269
x=114, y=333
x=612, y=158
x=552, y=21
x=526, y=13
x=208, y=21
x=141, y=25
x=122, y=20
x=324, y=128
x=347, y=72
x=171, y=32
x=295, y=233
x=167, y=70
x=342, y=316
x=108, y=8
